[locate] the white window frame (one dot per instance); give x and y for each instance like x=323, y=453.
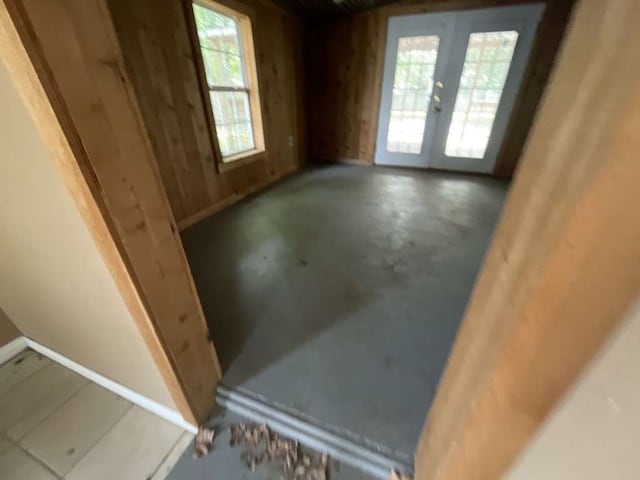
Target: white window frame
x=242, y=17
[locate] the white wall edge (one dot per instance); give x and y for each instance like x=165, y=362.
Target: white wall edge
x=152, y=406
x=11, y=349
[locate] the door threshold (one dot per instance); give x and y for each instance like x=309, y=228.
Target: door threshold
x=342, y=445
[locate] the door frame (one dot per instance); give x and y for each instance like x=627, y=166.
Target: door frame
x=565, y=241
x=119, y=195
x=561, y=272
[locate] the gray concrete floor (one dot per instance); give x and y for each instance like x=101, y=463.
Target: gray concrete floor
x=338, y=292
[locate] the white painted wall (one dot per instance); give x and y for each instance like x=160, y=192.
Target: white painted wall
x=594, y=434
x=54, y=284
x=8, y=330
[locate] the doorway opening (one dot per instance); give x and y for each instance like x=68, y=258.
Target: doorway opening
x=450, y=83
x=334, y=295
x=337, y=293
x=150, y=251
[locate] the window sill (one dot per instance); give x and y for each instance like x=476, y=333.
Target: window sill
x=240, y=159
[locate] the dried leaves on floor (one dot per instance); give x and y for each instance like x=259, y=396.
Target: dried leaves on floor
x=262, y=445
x=203, y=443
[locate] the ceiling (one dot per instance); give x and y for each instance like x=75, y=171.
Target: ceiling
x=323, y=9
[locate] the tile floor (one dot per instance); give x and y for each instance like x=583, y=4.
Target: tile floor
x=55, y=424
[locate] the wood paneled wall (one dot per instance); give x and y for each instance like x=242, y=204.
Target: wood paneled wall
x=160, y=59
x=345, y=79
x=550, y=34
x=345, y=70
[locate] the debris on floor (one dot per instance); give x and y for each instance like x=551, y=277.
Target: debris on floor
x=203, y=443
x=261, y=445
x=398, y=476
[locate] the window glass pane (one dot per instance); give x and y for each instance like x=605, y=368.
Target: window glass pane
x=484, y=73
x=233, y=121
x=412, y=87
x=220, y=47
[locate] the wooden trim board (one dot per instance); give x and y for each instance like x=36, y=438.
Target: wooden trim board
x=562, y=271
x=208, y=212
x=230, y=200
x=559, y=276
x=65, y=61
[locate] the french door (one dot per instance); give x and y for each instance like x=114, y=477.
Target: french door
x=450, y=81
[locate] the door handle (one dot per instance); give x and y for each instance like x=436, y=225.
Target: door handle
x=436, y=98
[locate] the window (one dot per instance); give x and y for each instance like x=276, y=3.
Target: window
x=226, y=47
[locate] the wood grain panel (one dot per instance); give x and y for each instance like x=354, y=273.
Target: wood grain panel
x=550, y=34
x=344, y=88
x=345, y=79
x=562, y=270
x=159, y=55
x=83, y=103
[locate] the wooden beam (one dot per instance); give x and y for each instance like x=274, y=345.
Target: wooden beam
x=563, y=268
x=66, y=62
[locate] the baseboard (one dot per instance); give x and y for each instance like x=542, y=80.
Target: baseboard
x=362, y=454
x=11, y=349
x=343, y=161
x=354, y=161
x=207, y=212
x=211, y=210
x=152, y=406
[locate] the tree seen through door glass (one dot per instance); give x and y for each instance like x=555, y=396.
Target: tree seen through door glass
x=484, y=73
x=412, y=87
x=223, y=61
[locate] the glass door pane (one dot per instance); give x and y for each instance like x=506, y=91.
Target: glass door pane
x=486, y=65
x=412, y=87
